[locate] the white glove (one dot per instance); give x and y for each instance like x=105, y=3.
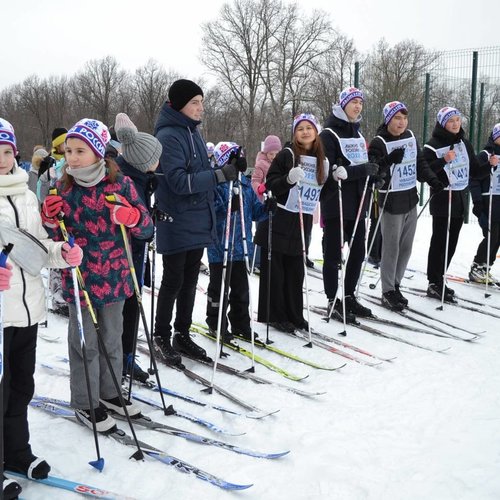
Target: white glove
x=295, y=175
x=339, y=173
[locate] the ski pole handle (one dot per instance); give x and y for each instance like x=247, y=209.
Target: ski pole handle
x=5, y=253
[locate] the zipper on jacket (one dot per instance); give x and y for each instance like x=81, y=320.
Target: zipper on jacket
x=20, y=269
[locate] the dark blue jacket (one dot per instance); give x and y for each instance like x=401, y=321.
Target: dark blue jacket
x=480, y=184
x=145, y=184
x=186, y=185
x=253, y=210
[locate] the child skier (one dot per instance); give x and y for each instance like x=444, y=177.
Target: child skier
x=304, y=157
x=23, y=307
x=483, y=190
x=95, y=223
x=396, y=150
x=253, y=209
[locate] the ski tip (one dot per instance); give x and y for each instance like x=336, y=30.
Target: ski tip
x=232, y=486
x=97, y=464
x=278, y=455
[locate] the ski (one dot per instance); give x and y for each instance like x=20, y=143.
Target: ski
x=123, y=438
x=389, y=336
x=148, y=423
x=276, y=350
x=213, y=387
x=438, y=331
x=461, y=305
x=258, y=359
x=152, y=386
x=81, y=488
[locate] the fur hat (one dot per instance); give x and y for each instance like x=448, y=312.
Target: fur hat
x=223, y=151
x=271, y=143
x=93, y=132
x=495, y=134
x=139, y=149
x=348, y=94
x=392, y=108
x=7, y=134
x=181, y=92
x=444, y=114
x=308, y=117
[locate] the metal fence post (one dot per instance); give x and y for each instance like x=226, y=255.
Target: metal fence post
x=426, y=125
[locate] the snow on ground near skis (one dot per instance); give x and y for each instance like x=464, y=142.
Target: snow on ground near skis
x=426, y=425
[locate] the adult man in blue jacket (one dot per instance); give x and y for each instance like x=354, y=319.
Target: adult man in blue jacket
x=185, y=218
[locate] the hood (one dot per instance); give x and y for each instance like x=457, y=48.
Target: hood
x=338, y=120
x=169, y=117
x=444, y=136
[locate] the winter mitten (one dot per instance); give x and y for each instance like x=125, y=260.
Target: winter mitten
x=395, y=156
x=52, y=206
x=72, y=255
x=339, y=173
x=370, y=168
x=228, y=172
x=436, y=185
x=261, y=189
x=295, y=175
x=271, y=204
x=122, y=212
x=5, y=276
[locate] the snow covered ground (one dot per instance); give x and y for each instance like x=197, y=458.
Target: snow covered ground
x=426, y=425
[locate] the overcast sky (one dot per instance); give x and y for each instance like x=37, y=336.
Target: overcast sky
x=55, y=37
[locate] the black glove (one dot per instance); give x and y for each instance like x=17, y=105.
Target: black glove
x=45, y=164
x=370, y=168
x=436, y=185
x=235, y=203
x=227, y=173
x=239, y=161
x=395, y=156
x=477, y=209
x=271, y=204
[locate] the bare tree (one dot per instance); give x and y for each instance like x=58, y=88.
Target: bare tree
x=151, y=83
x=97, y=87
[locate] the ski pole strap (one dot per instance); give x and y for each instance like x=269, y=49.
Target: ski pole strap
x=5, y=253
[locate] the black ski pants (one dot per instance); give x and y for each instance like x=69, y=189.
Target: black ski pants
x=239, y=296
x=18, y=388
x=178, y=286
x=332, y=257
x=437, y=249
x=482, y=250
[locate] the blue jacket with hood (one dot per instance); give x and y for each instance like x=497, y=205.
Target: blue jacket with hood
x=186, y=185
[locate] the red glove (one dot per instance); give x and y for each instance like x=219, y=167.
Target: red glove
x=52, y=205
x=261, y=189
x=5, y=276
x=72, y=255
x=122, y=212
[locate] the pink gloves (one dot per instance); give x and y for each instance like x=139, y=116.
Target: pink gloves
x=5, y=276
x=122, y=212
x=261, y=189
x=72, y=255
x=52, y=205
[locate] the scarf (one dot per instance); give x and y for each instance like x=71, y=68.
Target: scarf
x=88, y=176
x=16, y=182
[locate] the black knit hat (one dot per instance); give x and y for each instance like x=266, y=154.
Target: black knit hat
x=181, y=92
x=58, y=131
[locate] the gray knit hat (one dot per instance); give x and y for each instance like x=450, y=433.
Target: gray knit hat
x=139, y=149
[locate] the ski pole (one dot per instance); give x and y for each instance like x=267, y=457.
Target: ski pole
x=99, y=463
x=223, y=281
x=248, y=270
x=304, y=257
x=138, y=296
x=152, y=247
x=138, y=455
x=269, y=262
x=3, y=263
x=370, y=246
x=488, y=251
x=445, y=265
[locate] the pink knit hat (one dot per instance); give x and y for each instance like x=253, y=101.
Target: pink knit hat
x=271, y=143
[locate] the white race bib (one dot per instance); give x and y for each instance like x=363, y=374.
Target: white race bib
x=353, y=148
x=457, y=170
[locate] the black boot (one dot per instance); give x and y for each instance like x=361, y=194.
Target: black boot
x=31, y=466
x=435, y=291
x=392, y=301
x=137, y=372
x=11, y=489
x=401, y=297
x=353, y=306
x=337, y=312
x=182, y=343
x=166, y=353
x=283, y=326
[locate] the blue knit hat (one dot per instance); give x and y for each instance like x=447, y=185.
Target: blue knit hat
x=349, y=94
x=92, y=132
x=392, y=108
x=7, y=134
x=444, y=114
x=223, y=151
